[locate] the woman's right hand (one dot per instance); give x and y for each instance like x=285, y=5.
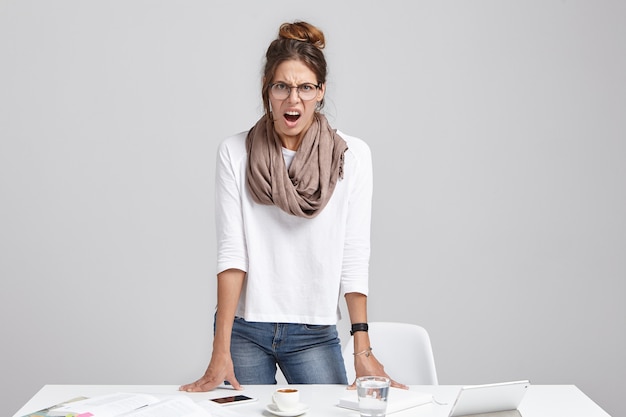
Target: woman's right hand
x=220, y=369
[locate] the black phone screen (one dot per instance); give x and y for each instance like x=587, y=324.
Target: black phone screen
x=231, y=399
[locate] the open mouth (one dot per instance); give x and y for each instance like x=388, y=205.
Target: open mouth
x=292, y=116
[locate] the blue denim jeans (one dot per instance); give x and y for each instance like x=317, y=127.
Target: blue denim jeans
x=306, y=354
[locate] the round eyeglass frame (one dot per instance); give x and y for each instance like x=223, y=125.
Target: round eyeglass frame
x=277, y=95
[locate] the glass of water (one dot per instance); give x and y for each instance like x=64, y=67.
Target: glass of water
x=373, y=392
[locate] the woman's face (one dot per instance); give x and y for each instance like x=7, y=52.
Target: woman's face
x=292, y=115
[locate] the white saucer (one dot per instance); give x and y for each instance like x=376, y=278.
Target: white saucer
x=301, y=409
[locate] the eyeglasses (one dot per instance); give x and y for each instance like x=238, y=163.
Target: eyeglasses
x=306, y=91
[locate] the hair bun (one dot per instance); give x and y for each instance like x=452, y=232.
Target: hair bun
x=303, y=32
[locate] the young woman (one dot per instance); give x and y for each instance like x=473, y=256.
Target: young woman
x=293, y=208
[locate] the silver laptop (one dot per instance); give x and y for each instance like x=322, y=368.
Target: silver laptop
x=489, y=398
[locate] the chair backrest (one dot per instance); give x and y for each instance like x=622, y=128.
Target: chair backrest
x=404, y=350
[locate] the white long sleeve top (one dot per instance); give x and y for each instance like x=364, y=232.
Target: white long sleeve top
x=296, y=268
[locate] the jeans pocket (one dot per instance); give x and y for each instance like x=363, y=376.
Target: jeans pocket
x=317, y=327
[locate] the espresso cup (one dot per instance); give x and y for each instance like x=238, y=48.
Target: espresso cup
x=286, y=399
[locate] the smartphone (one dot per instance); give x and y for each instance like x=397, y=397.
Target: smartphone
x=233, y=399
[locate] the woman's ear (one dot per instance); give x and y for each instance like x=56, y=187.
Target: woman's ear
x=321, y=91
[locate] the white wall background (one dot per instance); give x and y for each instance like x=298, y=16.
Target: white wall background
x=498, y=131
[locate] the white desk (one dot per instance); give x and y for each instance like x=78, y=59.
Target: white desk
x=539, y=401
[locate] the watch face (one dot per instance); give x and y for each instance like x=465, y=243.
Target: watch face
x=359, y=327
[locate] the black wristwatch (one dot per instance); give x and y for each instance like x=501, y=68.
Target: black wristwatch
x=359, y=327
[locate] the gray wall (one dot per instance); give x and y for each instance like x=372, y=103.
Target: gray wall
x=498, y=131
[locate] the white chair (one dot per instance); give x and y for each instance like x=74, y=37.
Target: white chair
x=404, y=350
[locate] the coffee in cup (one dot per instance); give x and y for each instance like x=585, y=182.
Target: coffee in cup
x=286, y=399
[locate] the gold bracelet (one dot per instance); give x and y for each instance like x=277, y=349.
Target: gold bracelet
x=366, y=352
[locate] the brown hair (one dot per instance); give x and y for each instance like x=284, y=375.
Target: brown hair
x=299, y=41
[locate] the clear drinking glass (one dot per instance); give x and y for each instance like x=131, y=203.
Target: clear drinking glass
x=373, y=392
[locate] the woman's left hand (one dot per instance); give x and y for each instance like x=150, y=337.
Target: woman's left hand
x=368, y=365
